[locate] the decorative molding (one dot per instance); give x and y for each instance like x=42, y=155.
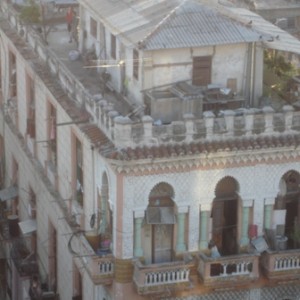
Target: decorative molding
x=211, y=161
x=270, y=200
x=182, y=209
x=247, y=202
x=205, y=206
x=139, y=213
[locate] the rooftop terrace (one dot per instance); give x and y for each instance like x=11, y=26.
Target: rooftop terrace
x=80, y=89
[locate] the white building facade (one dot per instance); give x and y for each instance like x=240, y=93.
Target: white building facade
x=122, y=198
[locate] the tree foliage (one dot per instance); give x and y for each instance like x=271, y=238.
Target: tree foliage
x=278, y=64
x=30, y=14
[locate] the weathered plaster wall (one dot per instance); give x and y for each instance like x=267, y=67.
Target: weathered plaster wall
x=196, y=189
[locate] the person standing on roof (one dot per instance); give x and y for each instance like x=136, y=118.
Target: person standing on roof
x=69, y=19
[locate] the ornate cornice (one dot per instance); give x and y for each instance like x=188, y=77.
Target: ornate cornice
x=218, y=160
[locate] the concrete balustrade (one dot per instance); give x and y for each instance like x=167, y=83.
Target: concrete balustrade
x=234, y=268
x=284, y=264
x=157, y=277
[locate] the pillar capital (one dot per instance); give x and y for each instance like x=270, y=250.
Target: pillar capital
x=270, y=200
x=139, y=213
x=247, y=202
x=182, y=209
x=206, y=206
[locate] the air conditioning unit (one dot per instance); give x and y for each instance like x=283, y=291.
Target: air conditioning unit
x=282, y=23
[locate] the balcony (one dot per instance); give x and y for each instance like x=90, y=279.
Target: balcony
x=102, y=269
x=234, y=269
x=283, y=265
x=100, y=266
x=157, y=278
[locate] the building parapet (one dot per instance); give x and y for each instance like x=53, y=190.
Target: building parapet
x=250, y=123
x=157, y=278
x=283, y=265
x=236, y=269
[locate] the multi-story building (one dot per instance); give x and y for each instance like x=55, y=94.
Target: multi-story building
x=130, y=157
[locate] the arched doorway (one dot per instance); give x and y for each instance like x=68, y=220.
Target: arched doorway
x=225, y=216
x=160, y=220
x=289, y=201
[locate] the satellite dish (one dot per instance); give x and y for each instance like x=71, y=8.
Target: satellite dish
x=92, y=220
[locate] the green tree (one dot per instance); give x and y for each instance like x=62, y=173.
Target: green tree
x=30, y=14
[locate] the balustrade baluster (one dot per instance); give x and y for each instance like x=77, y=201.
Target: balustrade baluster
x=165, y=275
x=182, y=276
x=152, y=278
x=161, y=277
x=245, y=267
x=294, y=265
x=224, y=269
x=285, y=264
x=187, y=273
x=242, y=267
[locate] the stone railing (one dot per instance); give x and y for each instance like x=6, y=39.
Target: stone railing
x=230, y=124
x=157, y=278
x=237, y=269
x=283, y=265
x=102, y=269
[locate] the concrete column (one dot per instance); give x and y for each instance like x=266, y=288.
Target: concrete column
x=245, y=222
x=189, y=125
x=147, y=124
x=229, y=120
x=249, y=120
x=288, y=111
x=268, y=216
x=245, y=225
x=122, y=131
x=269, y=116
x=180, y=246
x=209, y=119
x=268, y=211
x=203, y=230
x=138, y=251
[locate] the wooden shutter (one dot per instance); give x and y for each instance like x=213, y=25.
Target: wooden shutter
x=201, y=70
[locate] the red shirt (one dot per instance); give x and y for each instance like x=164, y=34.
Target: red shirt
x=69, y=16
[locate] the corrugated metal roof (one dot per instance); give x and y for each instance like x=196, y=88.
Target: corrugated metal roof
x=169, y=23
x=193, y=24
x=276, y=38
x=274, y=4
